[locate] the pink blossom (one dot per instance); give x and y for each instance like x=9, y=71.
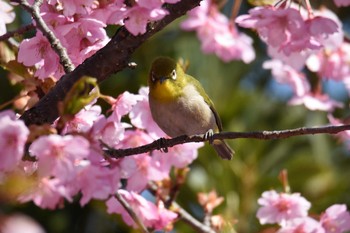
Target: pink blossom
x=302, y=225
x=108, y=131
x=178, y=156
x=13, y=136
x=336, y=219
x=344, y=135
x=152, y=4
x=138, y=17
x=286, y=29
x=151, y=215
x=139, y=169
x=321, y=102
x=141, y=117
x=57, y=155
x=281, y=207
x=295, y=60
x=20, y=223
x=6, y=16
x=72, y=7
x=83, y=120
x=332, y=64
x=217, y=34
x=37, y=52
x=95, y=181
x=124, y=104
x=286, y=74
x=340, y=3
x=48, y=193
x=82, y=38
x=112, y=12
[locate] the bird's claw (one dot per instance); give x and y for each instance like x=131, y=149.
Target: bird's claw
x=209, y=136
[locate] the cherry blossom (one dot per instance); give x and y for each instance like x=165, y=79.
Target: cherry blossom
x=6, y=16
x=332, y=63
x=286, y=74
x=150, y=214
x=316, y=101
x=141, y=117
x=340, y=3
x=281, y=207
x=286, y=29
x=48, y=193
x=37, y=51
x=108, y=131
x=95, y=182
x=71, y=8
x=138, y=17
x=302, y=225
x=13, y=136
x=83, y=120
x=217, y=34
x=139, y=169
x=57, y=155
x=20, y=223
x=336, y=219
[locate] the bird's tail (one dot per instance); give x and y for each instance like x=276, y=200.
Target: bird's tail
x=222, y=149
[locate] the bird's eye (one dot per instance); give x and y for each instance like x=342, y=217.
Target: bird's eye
x=173, y=75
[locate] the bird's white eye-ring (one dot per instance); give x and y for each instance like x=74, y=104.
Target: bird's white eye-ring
x=173, y=75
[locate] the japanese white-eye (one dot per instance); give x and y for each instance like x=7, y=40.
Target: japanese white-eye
x=180, y=106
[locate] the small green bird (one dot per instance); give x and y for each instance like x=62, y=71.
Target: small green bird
x=180, y=106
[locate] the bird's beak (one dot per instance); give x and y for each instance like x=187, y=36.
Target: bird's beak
x=162, y=79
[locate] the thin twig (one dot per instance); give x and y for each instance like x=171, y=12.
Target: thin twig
x=34, y=10
x=131, y=212
x=187, y=217
x=263, y=135
x=19, y=31
x=235, y=9
x=183, y=214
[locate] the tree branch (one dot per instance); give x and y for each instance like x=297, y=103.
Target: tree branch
x=131, y=212
x=34, y=10
x=187, y=217
x=264, y=135
x=112, y=58
x=20, y=30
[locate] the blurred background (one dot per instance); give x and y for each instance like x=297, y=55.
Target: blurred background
x=247, y=99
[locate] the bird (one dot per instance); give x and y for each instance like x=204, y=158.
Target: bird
x=180, y=106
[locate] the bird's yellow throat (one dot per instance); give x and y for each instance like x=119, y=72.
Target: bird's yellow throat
x=166, y=91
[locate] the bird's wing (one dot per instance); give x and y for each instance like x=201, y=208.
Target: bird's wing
x=201, y=90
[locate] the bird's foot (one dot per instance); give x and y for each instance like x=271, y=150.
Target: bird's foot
x=162, y=145
x=209, y=136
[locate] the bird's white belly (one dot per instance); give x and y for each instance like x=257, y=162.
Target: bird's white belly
x=188, y=115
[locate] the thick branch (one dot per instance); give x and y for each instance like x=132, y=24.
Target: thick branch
x=265, y=135
x=34, y=10
x=114, y=57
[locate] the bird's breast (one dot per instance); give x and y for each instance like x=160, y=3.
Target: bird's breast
x=187, y=114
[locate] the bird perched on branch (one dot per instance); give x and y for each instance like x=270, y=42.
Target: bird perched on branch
x=180, y=106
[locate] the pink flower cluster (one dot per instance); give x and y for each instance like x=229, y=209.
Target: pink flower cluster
x=79, y=26
x=218, y=34
x=297, y=40
x=73, y=162
x=290, y=211
x=286, y=29
x=154, y=216
x=6, y=16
